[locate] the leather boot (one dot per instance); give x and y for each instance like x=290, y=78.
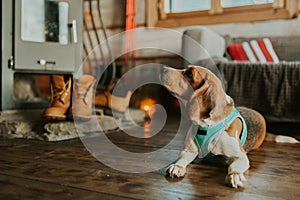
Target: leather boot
x=60, y=98
x=83, y=97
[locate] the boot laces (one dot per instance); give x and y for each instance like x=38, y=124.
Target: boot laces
x=82, y=93
x=60, y=93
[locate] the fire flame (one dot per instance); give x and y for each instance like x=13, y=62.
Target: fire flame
x=147, y=105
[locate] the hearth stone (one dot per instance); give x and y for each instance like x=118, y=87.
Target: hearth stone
x=29, y=124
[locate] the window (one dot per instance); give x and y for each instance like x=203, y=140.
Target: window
x=175, y=13
x=178, y=6
x=234, y=3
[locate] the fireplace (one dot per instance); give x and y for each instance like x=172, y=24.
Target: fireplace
x=39, y=37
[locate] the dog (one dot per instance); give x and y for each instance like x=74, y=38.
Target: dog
x=219, y=128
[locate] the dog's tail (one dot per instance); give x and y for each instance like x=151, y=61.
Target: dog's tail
x=280, y=139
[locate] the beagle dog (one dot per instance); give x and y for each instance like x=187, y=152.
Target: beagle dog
x=218, y=127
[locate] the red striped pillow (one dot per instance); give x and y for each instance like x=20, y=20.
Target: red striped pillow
x=254, y=51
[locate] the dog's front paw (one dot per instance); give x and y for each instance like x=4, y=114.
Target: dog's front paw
x=176, y=171
x=235, y=180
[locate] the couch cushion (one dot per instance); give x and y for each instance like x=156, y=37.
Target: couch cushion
x=201, y=43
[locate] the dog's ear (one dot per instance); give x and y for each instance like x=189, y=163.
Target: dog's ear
x=210, y=101
x=200, y=102
x=221, y=104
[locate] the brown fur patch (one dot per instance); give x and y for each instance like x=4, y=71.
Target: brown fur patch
x=209, y=93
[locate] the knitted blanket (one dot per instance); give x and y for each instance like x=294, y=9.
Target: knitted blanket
x=272, y=89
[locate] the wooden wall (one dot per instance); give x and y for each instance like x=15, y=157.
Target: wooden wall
x=113, y=12
x=114, y=18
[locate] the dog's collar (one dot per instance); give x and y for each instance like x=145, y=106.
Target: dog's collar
x=205, y=135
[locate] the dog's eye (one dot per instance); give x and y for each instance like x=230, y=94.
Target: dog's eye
x=188, y=74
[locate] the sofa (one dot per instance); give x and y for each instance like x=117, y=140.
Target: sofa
x=273, y=89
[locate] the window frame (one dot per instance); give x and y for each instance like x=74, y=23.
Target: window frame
x=280, y=9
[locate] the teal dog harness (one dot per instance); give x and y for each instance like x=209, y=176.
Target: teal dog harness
x=205, y=135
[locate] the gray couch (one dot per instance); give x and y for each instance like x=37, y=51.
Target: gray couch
x=272, y=89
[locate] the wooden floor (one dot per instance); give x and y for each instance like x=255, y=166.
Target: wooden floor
x=65, y=170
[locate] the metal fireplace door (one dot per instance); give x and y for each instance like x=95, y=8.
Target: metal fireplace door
x=46, y=37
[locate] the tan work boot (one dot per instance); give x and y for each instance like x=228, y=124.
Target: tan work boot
x=60, y=98
x=83, y=97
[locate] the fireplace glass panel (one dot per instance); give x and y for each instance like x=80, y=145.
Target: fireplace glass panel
x=44, y=21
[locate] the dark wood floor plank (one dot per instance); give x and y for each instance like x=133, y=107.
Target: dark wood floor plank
x=62, y=168
x=87, y=177
x=21, y=188
x=196, y=173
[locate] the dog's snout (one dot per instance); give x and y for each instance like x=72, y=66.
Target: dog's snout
x=163, y=70
x=163, y=73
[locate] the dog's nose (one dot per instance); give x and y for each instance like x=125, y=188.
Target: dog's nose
x=163, y=70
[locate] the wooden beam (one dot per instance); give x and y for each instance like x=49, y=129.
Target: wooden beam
x=293, y=8
x=215, y=7
x=161, y=9
x=278, y=4
x=152, y=13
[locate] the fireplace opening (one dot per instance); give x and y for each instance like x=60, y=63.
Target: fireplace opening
x=148, y=95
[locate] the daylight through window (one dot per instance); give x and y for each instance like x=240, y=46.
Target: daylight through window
x=178, y=6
